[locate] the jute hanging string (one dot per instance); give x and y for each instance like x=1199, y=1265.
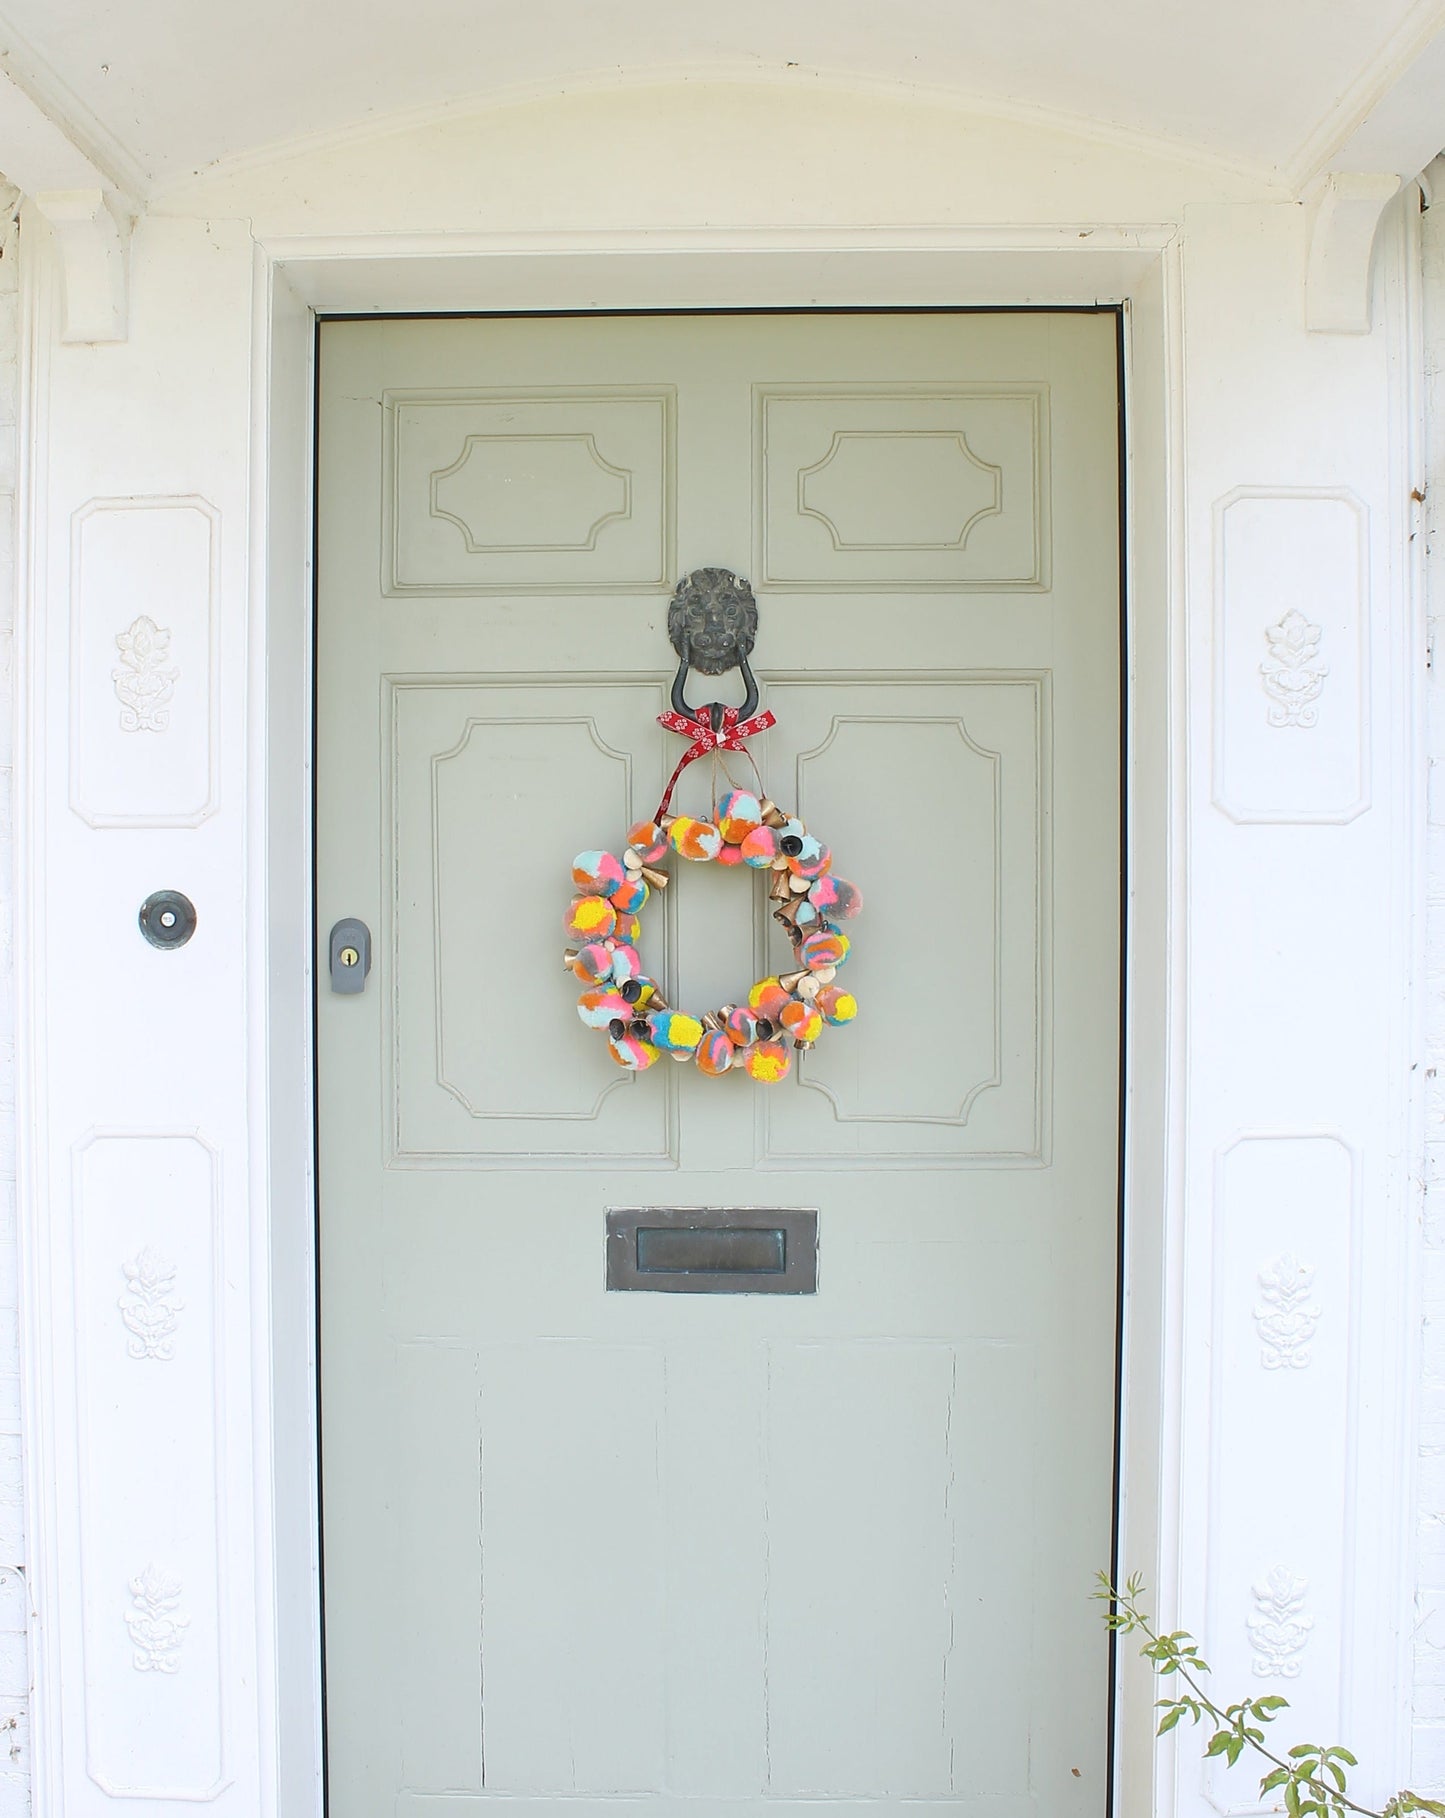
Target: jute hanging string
x=713, y=624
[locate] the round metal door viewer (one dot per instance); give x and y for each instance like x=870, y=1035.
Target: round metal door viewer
x=167, y=919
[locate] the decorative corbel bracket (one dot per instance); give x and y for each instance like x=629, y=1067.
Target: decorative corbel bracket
x=92, y=237
x=1345, y=212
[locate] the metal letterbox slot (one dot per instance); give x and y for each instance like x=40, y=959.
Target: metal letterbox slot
x=712, y=1250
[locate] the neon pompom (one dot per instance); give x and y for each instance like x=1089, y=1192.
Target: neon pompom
x=730, y=855
x=628, y=928
x=767, y=997
x=592, y=963
x=648, y=841
x=804, y=914
x=692, y=839
x=591, y=918
x=738, y=813
x=802, y=1022
x=632, y=1052
x=768, y=1062
x=675, y=1031
x=715, y=1053
x=596, y=873
x=600, y=1009
x=760, y=848
x=630, y=895
x=821, y=950
x=626, y=963
x=742, y=1027
x=811, y=860
x=837, y=1005
x=836, y=897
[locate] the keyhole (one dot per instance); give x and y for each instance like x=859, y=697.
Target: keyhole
x=349, y=956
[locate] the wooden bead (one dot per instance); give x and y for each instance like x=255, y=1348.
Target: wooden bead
x=799, y=885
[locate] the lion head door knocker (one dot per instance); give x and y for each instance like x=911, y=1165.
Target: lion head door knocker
x=713, y=625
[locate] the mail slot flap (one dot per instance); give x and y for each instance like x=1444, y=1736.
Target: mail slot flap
x=712, y=1250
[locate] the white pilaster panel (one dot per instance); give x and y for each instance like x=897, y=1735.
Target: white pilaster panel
x=141, y=1480
x=1293, y=1533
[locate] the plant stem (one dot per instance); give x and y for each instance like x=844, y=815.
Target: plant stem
x=1329, y=1793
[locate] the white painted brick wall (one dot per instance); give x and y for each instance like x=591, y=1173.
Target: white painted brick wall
x=14, y=1594
x=1428, y=1766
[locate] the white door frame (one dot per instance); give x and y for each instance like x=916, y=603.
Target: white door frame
x=1240, y=1113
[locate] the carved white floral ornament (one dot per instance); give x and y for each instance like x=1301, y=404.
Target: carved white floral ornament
x=1292, y=673
x=156, y=1629
x=143, y=683
x=1278, y=1628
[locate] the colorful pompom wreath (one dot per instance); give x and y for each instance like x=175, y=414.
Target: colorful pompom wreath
x=779, y=1015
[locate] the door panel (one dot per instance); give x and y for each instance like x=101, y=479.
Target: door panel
x=596, y=1553
x=862, y=488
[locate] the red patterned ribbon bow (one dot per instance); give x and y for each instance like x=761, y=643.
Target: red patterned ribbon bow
x=730, y=736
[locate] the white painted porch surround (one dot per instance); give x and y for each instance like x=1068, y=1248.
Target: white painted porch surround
x=1274, y=1029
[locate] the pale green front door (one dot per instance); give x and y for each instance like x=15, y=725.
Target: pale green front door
x=621, y=1554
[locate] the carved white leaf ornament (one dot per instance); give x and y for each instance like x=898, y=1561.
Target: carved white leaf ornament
x=148, y=1306
x=1286, y=1317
